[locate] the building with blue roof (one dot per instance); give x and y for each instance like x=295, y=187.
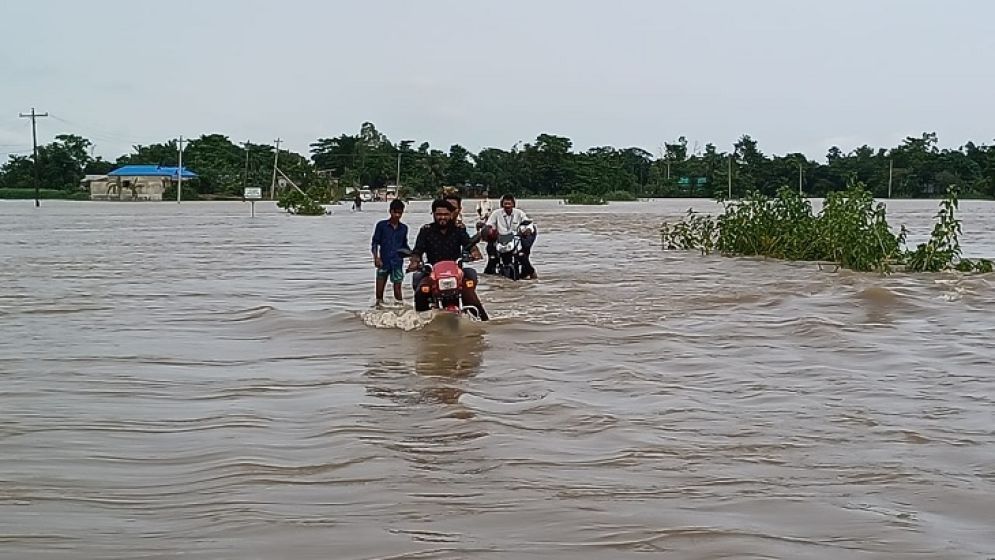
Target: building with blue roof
x=136, y=182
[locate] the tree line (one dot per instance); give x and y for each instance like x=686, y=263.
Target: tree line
x=547, y=166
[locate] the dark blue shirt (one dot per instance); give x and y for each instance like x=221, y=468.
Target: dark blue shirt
x=389, y=240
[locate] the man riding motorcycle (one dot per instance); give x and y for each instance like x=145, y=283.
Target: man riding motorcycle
x=444, y=241
x=506, y=221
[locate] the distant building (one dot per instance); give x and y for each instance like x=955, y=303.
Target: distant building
x=386, y=194
x=365, y=194
x=135, y=182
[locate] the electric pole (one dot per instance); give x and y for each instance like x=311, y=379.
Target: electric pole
x=34, y=144
x=891, y=171
x=730, y=176
x=179, y=174
x=276, y=161
x=799, y=178
x=398, y=180
x=245, y=176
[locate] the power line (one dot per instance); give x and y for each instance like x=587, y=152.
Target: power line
x=34, y=143
x=98, y=132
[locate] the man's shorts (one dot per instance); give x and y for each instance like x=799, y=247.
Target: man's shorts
x=395, y=274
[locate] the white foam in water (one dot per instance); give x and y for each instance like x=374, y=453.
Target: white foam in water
x=404, y=318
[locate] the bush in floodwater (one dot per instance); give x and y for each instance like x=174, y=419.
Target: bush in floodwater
x=27, y=193
x=584, y=198
x=851, y=230
x=620, y=196
x=296, y=202
x=942, y=251
x=779, y=227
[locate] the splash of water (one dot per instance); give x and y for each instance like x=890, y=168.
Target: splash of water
x=405, y=319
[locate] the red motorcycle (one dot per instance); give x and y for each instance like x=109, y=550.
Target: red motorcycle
x=443, y=284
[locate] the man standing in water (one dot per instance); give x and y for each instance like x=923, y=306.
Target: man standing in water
x=389, y=237
x=441, y=240
x=484, y=208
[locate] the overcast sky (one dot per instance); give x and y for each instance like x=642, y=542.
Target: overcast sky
x=795, y=75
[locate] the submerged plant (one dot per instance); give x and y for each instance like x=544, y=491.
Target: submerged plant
x=851, y=230
x=296, y=202
x=584, y=198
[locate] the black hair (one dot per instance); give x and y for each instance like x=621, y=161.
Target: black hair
x=508, y=196
x=442, y=203
x=454, y=196
x=396, y=206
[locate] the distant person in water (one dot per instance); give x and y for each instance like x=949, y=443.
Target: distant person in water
x=389, y=237
x=357, y=203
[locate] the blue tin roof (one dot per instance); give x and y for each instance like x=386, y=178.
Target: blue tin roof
x=150, y=171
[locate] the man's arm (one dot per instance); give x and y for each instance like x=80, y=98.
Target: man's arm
x=375, y=246
x=524, y=218
x=418, y=251
x=467, y=242
x=404, y=228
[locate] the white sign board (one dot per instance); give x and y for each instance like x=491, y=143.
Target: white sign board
x=253, y=193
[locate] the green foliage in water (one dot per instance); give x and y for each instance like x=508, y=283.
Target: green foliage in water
x=851, y=230
x=620, y=196
x=25, y=194
x=296, y=202
x=942, y=251
x=584, y=198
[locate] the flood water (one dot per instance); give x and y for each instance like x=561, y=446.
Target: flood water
x=184, y=380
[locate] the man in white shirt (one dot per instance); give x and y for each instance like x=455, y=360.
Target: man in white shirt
x=506, y=220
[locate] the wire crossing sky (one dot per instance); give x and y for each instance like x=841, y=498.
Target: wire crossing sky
x=797, y=76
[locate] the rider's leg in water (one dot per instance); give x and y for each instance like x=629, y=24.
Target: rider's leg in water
x=421, y=298
x=528, y=271
x=492, y=258
x=470, y=294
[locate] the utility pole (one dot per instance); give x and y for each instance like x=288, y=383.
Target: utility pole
x=179, y=173
x=799, y=178
x=276, y=161
x=397, y=182
x=34, y=144
x=245, y=175
x=730, y=176
x=891, y=171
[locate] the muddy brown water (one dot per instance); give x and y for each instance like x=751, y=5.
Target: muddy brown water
x=185, y=381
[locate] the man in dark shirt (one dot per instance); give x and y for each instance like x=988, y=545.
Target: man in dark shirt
x=444, y=241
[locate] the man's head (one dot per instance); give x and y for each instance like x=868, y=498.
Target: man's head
x=507, y=202
x=443, y=212
x=486, y=195
x=456, y=201
x=396, y=209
